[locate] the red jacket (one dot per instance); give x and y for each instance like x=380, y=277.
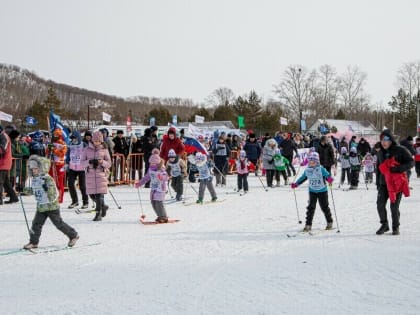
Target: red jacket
x=167, y=144
x=395, y=182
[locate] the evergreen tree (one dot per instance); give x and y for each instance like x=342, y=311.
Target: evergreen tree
x=161, y=114
x=201, y=112
x=250, y=108
x=40, y=112
x=224, y=112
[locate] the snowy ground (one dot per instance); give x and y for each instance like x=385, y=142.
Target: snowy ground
x=231, y=257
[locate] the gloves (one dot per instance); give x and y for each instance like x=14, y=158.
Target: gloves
x=94, y=163
x=395, y=169
x=330, y=180
x=45, y=186
x=271, y=161
x=294, y=185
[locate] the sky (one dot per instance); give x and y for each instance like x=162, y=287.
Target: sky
x=189, y=48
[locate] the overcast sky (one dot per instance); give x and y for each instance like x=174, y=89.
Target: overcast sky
x=188, y=48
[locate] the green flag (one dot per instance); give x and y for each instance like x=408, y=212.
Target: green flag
x=241, y=122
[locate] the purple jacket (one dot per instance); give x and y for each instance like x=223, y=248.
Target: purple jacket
x=96, y=179
x=158, y=180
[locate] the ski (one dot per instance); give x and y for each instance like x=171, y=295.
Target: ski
x=48, y=249
x=144, y=222
x=81, y=211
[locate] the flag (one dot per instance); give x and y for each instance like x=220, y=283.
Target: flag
x=199, y=119
x=106, y=117
x=6, y=117
x=351, y=128
x=174, y=120
x=241, y=121
x=31, y=120
x=283, y=121
x=152, y=121
x=55, y=122
x=193, y=145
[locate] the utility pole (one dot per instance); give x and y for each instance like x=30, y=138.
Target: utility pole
x=299, y=102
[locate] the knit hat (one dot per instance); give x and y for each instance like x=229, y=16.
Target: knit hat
x=88, y=133
x=409, y=138
x=242, y=154
x=343, y=150
x=154, y=158
x=97, y=136
x=313, y=156
x=120, y=132
x=200, y=157
x=171, y=153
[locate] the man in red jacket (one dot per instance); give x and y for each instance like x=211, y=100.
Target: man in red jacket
x=5, y=166
x=390, y=150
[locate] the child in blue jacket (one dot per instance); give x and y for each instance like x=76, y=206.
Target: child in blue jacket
x=317, y=176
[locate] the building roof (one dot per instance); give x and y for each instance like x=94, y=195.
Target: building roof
x=356, y=127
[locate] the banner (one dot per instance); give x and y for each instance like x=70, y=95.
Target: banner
x=31, y=120
x=199, y=119
x=303, y=125
x=6, y=117
x=241, y=122
x=152, y=121
x=106, y=117
x=174, y=120
x=283, y=121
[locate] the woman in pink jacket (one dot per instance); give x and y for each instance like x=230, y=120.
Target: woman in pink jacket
x=96, y=161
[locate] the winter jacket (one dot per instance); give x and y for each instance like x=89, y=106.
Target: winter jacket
x=167, y=144
x=268, y=155
x=158, y=183
x=369, y=165
x=176, y=168
x=280, y=162
x=287, y=147
x=345, y=162
x=221, y=155
x=395, y=182
x=326, y=154
x=96, y=175
x=399, y=153
x=43, y=186
x=316, y=176
x=252, y=149
x=242, y=166
x=355, y=162
x=363, y=147
x=120, y=146
x=57, y=149
x=74, y=153
x=417, y=148
x=5, y=152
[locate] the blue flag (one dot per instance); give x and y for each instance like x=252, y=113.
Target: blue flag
x=31, y=120
x=55, y=122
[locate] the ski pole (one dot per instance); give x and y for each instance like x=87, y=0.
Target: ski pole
x=220, y=172
x=335, y=212
x=115, y=201
x=141, y=204
x=262, y=183
x=297, y=209
x=169, y=189
x=24, y=214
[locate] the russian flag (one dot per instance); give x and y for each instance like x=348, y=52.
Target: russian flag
x=193, y=145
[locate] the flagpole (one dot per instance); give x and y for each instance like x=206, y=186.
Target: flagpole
x=88, y=114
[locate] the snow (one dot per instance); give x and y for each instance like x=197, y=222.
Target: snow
x=230, y=257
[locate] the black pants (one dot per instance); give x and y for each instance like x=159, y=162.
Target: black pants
x=417, y=165
x=283, y=174
x=354, y=178
x=345, y=172
x=80, y=175
x=381, y=207
x=99, y=201
x=55, y=217
x=322, y=197
x=290, y=165
x=177, y=183
x=5, y=183
x=243, y=182
x=269, y=174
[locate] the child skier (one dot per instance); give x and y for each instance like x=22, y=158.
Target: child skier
x=369, y=165
x=177, y=169
x=317, y=175
x=268, y=160
x=47, y=203
x=280, y=163
x=204, y=177
x=157, y=176
x=242, y=171
x=345, y=166
x=355, y=165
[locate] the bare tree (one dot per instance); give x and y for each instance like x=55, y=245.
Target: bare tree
x=354, y=99
x=408, y=78
x=294, y=90
x=221, y=96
